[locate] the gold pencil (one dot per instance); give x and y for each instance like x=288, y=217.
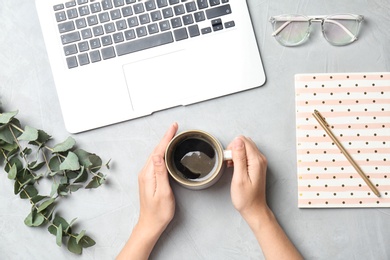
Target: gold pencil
x=325, y=126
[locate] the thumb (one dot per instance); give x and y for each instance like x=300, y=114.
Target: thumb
x=161, y=173
x=239, y=159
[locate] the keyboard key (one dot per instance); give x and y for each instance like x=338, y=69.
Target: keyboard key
x=164, y=25
x=127, y=11
x=191, y=7
x=187, y=19
x=83, y=59
x=66, y=27
x=153, y=28
x=162, y=3
x=176, y=22
x=118, y=37
x=81, y=2
x=83, y=46
x=202, y=4
x=139, y=8
x=179, y=9
x=144, y=18
x=97, y=30
x=95, y=7
x=132, y=21
x=206, y=30
x=218, y=11
x=144, y=43
x=150, y=5
x=141, y=31
x=94, y=43
x=167, y=12
x=71, y=62
x=121, y=25
x=199, y=16
x=214, y=2
x=156, y=15
x=60, y=16
x=229, y=24
x=70, y=37
x=193, y=30
x=84, y=10
x=130, y=34
x=106, y=40
x=104, y=17
x=118, y=3
x=86, y=33
x=108, y=53
x=180, y=34
x=173, y=2
x=58, y=7
x=92, y=20
x=72, y=13
x=70, y=4
x=109, y=27
x=81, y=23
x=95, y=56
x=115, y=14
x=106, y=4
x=70, y=49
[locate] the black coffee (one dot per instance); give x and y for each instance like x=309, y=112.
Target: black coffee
x=194, y=158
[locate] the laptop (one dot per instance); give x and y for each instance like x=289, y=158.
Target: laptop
x=116, y=60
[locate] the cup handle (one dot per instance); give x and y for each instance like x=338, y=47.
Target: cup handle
x=227, y=155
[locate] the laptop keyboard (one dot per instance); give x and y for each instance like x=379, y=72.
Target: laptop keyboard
x=94, y=31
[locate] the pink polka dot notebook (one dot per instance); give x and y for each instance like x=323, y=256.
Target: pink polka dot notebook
x=357, y=108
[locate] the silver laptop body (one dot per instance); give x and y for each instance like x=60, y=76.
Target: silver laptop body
x=115, y=60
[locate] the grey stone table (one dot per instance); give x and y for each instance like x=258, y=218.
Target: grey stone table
x=205, y=226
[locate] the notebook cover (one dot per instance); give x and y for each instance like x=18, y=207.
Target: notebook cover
x=357, y=108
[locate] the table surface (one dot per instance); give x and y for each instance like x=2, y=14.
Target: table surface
x=206, y=225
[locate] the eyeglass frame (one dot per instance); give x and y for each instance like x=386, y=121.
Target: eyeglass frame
x=316, y=18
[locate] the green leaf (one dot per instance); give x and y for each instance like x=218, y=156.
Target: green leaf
x=94, y=183
x=54, y=188
x=43, y=137
x=74, y=247
x=83, y=157
x=29, y=191
x=82, y=177
x=12, y=172
x=34, y=219
x=74, y=188
x=29, y=134
x=57, y=221
x=46, y=204
x=5, y=118
x=64, y=146
x=80, y=236
x=38, y=198
x=96, y=162
x=71, y=162
x=54, y=165
x=35, y=166
x=6, y=135
x=59, y=235
x=86, y=242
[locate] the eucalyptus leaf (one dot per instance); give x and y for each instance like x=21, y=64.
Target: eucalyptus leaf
x=29, y=134
x=80, y=236
x=6, y=135
x=6, y=117
x=37, y=198
x=34, y=219
x=96, y=162
x=57, y=221
x=54, y=188
x=83, y=157
x=28, y=192
x=73, y=246
x=59, y=235
x=94, y=183
x=12, y=172
x=71, y=162
x=43, y=137
x=46, y=204
x=86, y=242
x=82, y=177
x=35, y=166
x=64, y=146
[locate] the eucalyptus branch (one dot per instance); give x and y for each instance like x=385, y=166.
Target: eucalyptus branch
x=68, y=168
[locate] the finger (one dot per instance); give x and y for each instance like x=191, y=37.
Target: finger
x=160, y=148
x=239, y=159
x=161, y=173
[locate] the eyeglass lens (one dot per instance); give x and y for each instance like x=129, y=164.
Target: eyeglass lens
x=340, y=29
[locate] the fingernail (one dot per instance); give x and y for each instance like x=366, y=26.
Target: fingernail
x=238, y=143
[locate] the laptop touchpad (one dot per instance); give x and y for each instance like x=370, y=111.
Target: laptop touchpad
x=158, y=83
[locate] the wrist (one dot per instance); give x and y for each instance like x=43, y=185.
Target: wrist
x=258, y=217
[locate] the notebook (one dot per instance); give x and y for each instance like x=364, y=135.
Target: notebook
x=357, y=108
x=115, y=60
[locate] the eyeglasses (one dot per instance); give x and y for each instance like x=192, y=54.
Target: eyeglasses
x=339, y=29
